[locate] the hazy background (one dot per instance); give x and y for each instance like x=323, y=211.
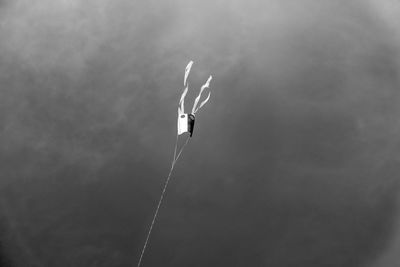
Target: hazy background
x=294, y=160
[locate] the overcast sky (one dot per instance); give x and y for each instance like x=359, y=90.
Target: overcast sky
x=294, y=160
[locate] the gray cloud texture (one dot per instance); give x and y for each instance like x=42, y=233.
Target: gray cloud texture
x=294, y=161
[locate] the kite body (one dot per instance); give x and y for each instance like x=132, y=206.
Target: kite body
x=186, y=120
x=186, y=123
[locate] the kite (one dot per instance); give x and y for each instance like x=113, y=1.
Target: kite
x=186, y=121
x=185, y=124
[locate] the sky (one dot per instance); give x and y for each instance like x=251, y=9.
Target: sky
x=294, y=161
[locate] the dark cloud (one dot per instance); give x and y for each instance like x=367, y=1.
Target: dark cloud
x=294, y=161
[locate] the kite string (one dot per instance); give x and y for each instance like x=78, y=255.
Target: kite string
x=176, y=143
x=176, y=157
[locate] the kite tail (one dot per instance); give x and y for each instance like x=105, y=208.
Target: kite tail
x=176, y=157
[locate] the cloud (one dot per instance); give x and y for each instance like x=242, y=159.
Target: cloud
x=293, y=161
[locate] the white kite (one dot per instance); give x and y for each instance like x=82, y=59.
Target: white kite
x=186, y=121
x=185, y=125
